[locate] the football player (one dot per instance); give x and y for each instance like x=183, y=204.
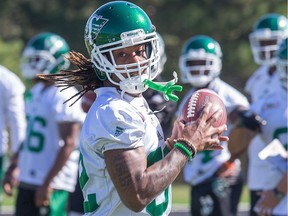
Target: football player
x=215, y=176
x=48, y=158
x=265, y=38
x=125, y=166
x=12, y=114
x=273, y=108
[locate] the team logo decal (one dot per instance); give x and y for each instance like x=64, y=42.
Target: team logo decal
x=94, y=26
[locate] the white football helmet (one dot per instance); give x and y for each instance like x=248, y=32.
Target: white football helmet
x=268, y=32
x=44, y=54
x=200, y=61
x=117, y=25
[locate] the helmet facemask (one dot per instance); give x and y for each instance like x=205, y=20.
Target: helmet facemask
x=199, y=68
x=41, y=62
x=282, y=63
x=163, y=56
x=282, y=70
x=131, y=76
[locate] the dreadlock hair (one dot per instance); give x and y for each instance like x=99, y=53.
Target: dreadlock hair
x=84, y=76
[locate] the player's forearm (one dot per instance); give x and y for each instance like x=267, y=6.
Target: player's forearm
x=138, y=184
x=17, y=122
x=162, y=174
x=13, y=164
x=61, y=158
x=69, y=132
x=282, y=185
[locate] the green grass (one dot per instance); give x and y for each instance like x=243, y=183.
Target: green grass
x=181, y=194
x=9, y=200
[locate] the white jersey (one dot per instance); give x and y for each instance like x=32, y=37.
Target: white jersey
x=274, y=109
x=44, y=111
x=117, y=123
x=258, y=86
x=206, y=163
x=12, y=110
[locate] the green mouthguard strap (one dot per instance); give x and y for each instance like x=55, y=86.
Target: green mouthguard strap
x=166, y=87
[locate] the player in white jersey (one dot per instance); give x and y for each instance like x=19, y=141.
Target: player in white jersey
x=12, y=114
x=267, y=33
x=125, y=166
x=273, y=107
x=48, y=158
x=214, y=175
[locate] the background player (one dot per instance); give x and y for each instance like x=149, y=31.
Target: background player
x=215, y=176
x=126, y=169
x=265, y=38
x=12, y=115
x=273, y=107
x=48, y=158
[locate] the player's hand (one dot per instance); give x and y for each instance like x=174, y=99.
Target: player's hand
x=201, y=133
x=267, y=202
x=10, y=180
x=42, y=196
x=177, y=127
x=250, y=120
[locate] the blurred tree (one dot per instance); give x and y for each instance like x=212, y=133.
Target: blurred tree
x=229, y=22
x=10, y=54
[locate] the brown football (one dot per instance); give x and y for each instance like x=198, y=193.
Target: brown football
x=195, y=104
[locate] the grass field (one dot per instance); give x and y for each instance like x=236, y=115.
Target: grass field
x=181, y=195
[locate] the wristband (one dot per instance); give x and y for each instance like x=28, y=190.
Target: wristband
x=188, y=145
x=183, y=150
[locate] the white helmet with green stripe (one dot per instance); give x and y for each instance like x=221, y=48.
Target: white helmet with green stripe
x=44, y=54
x=267, y=34
x=200, y=61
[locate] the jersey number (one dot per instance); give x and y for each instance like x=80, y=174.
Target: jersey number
x=35, y=140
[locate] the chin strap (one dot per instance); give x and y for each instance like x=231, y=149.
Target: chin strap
x=166, y=87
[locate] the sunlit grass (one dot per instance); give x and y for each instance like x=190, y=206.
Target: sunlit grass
x=181, y=194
